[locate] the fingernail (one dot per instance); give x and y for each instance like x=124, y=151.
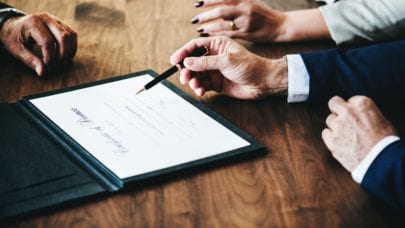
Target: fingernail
x=200, y=29
x=204, y=34
x=199, y=4
x=38, y=70
x=194, y=20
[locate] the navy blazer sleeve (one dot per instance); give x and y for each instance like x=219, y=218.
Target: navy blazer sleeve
x=385, y=178
x=377, y=71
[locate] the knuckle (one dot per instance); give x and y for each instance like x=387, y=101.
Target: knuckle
x=347, y=112
x=47, y=42
x=227, y=58
x=361, y=101
x=74, y=34
x=220, y=11
x=64, y=36
x=328, y=119
x=31, y=19
x=247, y=27
x=30, y=61
x=324, y=134
x=248, y=9
x=217, y=41
x=333, y=100
x=203, y=62
x=44, y=15
x=225, y=38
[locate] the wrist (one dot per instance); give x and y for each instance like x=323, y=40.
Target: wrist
x=7, y=13
x=5, y=16
x=276, y=77
x=303, y=25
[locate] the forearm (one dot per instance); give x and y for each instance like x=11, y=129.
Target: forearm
x=303, y=25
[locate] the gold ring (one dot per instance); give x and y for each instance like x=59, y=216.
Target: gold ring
x=232, y=24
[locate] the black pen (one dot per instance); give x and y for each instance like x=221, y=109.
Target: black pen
x=201, y=51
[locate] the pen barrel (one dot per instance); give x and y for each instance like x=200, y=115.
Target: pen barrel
x=161, y=77
x=195, y=53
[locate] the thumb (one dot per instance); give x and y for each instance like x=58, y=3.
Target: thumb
x=32, y=61
x=204, y=63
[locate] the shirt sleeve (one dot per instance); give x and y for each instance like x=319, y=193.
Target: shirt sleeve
x=357, y=21
x=298, y=79
x=359, y=172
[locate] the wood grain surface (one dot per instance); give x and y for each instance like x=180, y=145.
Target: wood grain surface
x=296, y=184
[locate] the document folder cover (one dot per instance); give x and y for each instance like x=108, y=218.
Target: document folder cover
x=42, y=165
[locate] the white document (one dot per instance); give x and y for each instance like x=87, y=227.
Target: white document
x=135, y=134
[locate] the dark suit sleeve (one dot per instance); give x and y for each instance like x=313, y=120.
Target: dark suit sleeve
x=385, y=178
x=3, y=5
x=377, y=71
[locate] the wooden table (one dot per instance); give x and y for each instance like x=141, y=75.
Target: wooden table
x=297, y=183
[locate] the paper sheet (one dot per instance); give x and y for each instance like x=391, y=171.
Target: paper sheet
x=135, y=134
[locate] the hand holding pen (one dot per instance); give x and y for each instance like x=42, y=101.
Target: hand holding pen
x=194, y=53
x=230, y=69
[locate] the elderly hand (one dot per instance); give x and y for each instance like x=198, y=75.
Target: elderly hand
x=353, y=128
x=249, y=20
x=230, y=69
x=57, y=41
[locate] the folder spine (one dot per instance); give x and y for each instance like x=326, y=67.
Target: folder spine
x=101, y=173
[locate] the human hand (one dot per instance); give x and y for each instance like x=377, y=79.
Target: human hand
x=56, y=40
x=230, y=69
x=251, y=20
x=353, y=128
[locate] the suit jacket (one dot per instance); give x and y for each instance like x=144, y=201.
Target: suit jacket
x=377, y=71
x=2, y=5
x=354, y=21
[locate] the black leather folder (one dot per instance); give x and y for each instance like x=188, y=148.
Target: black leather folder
x=42, y=166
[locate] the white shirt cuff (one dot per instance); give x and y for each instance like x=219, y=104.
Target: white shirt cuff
x=359, y=172
x=298, y=79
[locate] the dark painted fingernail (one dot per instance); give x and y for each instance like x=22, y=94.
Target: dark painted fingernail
x=204, y=34
x=200, y=29
x=199, y=4
x=194, y=20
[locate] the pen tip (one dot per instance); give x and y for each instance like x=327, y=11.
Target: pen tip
x=140, y=91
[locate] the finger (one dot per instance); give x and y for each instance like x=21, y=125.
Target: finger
x=189, y=47
x=194, y=83
x=73, y=36
x=44, y=39
x=31, y=60
x=209, y=3
x=218, y=26
x=224, y=12
x=185, y=76
x=200, y=91
x=327, y=136
x=362, y=102
x=204, y=63
x=337, y=105
x=61, y=35
x=331, y=121
x=231, y=34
